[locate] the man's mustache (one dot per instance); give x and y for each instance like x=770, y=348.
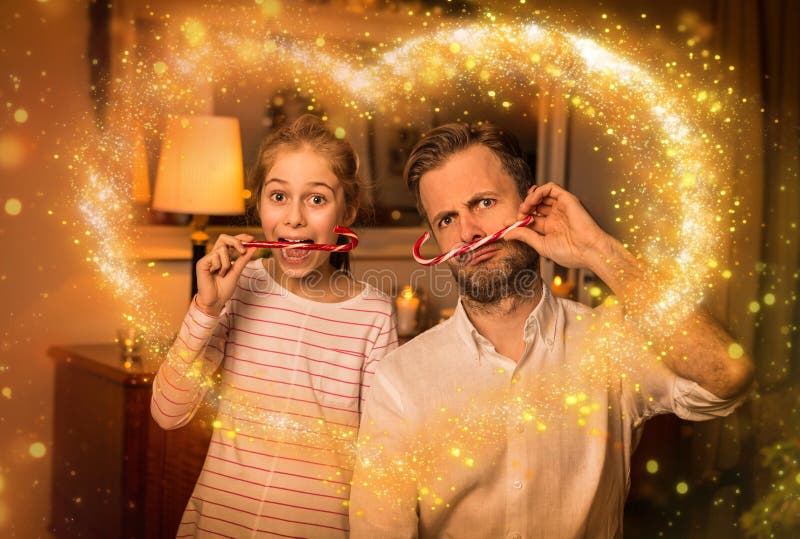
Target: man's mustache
x=463, y=260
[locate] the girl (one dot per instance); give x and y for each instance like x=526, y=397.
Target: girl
x=295, y=340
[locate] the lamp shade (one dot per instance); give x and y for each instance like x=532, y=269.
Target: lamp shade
x=140, y=180
x=200, y=170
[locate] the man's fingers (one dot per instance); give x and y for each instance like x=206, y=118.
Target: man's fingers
x=530, y=202
x=538, y=209
x=526, y=235
x=544, y=194
x=548, y=201
x=543, y=211
x=539, y=225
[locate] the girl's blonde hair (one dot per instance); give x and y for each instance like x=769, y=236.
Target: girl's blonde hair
x=308, y=131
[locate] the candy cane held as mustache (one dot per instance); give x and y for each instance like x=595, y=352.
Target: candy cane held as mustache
x=458, y=251
x=344, y=231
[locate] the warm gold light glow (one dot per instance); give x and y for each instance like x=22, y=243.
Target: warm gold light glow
x=662, y=128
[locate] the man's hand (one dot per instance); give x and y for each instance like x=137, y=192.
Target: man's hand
x=562, y=229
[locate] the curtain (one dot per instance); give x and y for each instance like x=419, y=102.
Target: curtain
x=762, y=40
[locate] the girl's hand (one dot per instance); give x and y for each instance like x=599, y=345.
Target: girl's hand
x=217, y=274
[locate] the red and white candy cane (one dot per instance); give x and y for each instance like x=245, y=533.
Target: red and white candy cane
x=344, y=231
x=458, y=251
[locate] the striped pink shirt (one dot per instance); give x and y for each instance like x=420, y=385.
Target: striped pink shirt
x=288, y=376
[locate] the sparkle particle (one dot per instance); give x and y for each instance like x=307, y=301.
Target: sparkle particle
x=735, y=351
x=37, y=450
x=21, y=116
x=13, y=206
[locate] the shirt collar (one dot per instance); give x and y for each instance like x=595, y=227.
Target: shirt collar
x=541, y=324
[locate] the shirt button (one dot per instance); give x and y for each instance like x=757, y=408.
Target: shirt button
x=517, y=483
x=516, y=536
x=520, y=427
x=549, y=342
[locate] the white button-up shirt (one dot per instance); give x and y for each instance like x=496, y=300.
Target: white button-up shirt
x=458, y=440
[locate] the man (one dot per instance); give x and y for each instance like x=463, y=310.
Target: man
x=517, y=416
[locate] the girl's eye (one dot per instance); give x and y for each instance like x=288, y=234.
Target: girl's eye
x=317, y=199
x=277, y=197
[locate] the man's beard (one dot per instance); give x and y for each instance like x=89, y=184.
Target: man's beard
x=495, y=279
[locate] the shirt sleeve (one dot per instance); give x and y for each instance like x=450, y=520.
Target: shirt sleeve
x=185, y=376
x=385, y=343
x=651, y=388
x=383, y=501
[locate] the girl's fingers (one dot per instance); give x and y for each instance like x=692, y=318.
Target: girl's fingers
x=218, y=262
x=232, y=242
x=204, y=264
x=236, y=244
x=242, y=238
x=225, y=262
x=211, y=263
x=222, y=241
x=242, y=261
x=236, y=241
x=234, y=270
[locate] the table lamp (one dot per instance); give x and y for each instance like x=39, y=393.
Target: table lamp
x=139, y=176
x=200, y=172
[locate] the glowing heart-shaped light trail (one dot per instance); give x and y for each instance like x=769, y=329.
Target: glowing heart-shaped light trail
x=662, y=126
x=671, y=203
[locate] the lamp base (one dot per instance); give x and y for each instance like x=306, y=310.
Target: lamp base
x=199, y=247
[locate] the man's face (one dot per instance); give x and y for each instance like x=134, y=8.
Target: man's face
x=468, y=197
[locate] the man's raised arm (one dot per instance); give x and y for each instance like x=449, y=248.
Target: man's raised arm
x=697, y=348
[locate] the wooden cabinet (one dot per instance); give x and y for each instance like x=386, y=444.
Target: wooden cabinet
x=115, y=472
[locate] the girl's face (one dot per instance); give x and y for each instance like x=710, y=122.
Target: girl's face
x=302, y=200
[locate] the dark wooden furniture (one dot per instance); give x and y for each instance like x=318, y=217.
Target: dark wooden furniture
x=115, y=472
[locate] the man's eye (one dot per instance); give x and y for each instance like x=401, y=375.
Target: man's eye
x=486, y=202
x=445, y=221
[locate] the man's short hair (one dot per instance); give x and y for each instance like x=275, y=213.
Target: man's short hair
x=440, y=143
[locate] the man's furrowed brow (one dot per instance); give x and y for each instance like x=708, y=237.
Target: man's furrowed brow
x=470, y=203
x=477, y=197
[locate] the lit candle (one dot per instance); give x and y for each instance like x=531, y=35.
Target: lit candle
x=407, y=308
